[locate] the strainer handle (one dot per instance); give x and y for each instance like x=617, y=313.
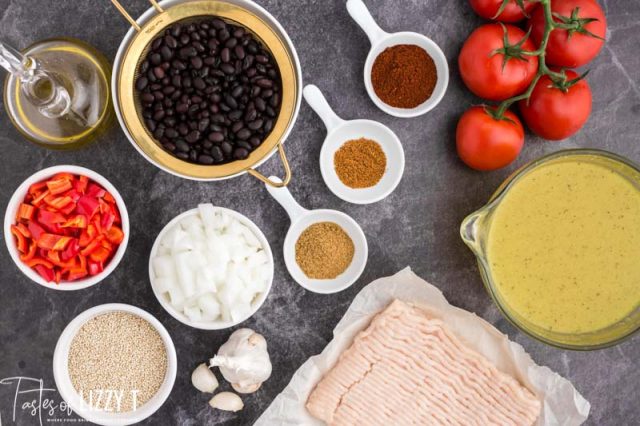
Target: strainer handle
x=132, y=21
x=285, y=165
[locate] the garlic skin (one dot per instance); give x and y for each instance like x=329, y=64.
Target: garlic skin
x=244, y=360
x=203, y=379
x=227, y=401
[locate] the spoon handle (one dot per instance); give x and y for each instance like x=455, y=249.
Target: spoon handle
x=318, y=102
x=359, y=12
x=286, y=200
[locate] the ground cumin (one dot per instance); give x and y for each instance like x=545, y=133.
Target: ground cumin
x=404, y=76
x=360, y=163
x=324, y=251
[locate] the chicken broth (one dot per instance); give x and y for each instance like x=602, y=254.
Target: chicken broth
x=564, y=243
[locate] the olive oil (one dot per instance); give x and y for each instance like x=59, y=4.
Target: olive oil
x=59, y=96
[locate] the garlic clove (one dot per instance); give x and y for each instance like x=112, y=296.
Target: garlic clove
x=246, y=389
x=203, y=379
x=227, y=401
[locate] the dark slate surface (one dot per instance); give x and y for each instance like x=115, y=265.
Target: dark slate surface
x=417, y=225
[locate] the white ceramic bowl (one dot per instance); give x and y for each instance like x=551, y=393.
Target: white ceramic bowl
x=18, y=197
x=73, y=399
x=340, y=131
x=380, y=40
x=210, y=325
x=301, y=219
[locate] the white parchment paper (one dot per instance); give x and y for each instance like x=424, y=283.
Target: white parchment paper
x=562, y=404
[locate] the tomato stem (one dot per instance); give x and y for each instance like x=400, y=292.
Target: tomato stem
x=558, y=77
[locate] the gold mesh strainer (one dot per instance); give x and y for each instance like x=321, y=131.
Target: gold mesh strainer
x=135, y=48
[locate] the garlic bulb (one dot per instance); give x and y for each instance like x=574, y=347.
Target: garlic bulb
x=227, y=401
x=243, y=360
x=203, y=379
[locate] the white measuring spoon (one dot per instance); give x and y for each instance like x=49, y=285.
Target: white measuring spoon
x=380, y=40
x=338, y=132
x=301, y=219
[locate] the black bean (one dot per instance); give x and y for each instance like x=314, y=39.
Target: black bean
x=216, y=137
x=243, y=134
x=240, y=153
x=181, y=145
x=205, y=159
x=196, y=62
x=226, y=148
x=217, y=154
x=142, y=83
x=170, y=41
x=209, y=91
x=225, y=55
x=256, y=124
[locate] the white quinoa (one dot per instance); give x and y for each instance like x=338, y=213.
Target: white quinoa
x=117, y=352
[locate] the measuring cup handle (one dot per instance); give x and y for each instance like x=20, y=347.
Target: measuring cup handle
x=319, y=104
x=286, y=200
x=359, y=12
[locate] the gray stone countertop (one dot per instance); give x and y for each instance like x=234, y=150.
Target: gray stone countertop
x=416, y=226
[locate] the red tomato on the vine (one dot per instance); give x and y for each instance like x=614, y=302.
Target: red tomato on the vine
x=486, y=143
x=512, y=11
x=490, y=74
x=554, y=114
x=577, y=47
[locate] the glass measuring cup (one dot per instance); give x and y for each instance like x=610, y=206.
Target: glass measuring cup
x=475, y=230
x=381, y=40
x=301, y=219
x=340, y=131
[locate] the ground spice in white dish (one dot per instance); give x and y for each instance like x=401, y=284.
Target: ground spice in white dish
x=324, y=250
x=119, y=358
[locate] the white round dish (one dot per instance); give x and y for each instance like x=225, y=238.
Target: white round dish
x=74, y=400
x=210, y=325
x=340, y=131
x=301, y=219
x=18, y=197
x=380, y=40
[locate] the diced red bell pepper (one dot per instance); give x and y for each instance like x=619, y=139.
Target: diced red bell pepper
x=87, y=206
x=39, y=261
x=59, y=185
x=115, y=235
x=58, y=276
x=109, y=198
x=46, y=273
x=31, y=253
x=106, y=221
x=68, y=209
x=53, y=242
x=22, y=228
x=47, y=218
x=74, y=194
x=101, y=254
x=25, y=212
x=71, y=251
x=58, y=202
x=95, y=267
x=92, y=246
x=81, y=184
x=78, y=221
x=37, y=188
x=88, y=235
x=64, y=175
x=95, y=190
x=76, y=274
x=37, y=201
x=54, y=257
x=21, y=240
x=35, y=229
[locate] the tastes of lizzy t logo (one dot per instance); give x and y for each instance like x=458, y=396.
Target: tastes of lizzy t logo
x=28, y=398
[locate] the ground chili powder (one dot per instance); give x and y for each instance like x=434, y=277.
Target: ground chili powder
x=404, y=76
x=360, y=163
